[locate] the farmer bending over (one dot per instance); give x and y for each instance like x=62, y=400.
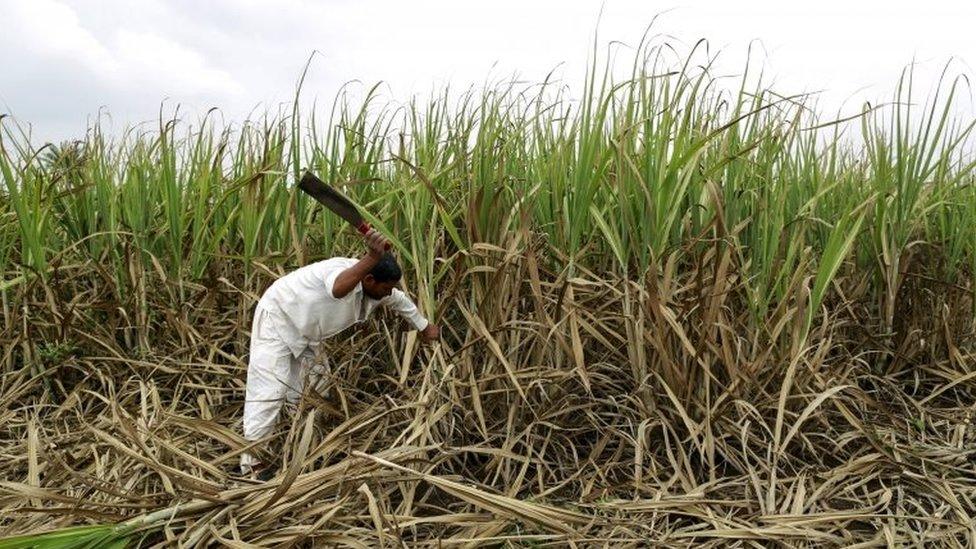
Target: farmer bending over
x=300, y=310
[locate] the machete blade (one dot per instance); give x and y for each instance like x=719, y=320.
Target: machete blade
x=333, y=200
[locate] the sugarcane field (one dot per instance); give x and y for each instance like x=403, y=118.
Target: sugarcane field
x=641, y=301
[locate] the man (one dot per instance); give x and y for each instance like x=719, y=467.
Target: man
x=300, y=310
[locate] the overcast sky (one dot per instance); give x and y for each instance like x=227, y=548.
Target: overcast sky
x=61, y=61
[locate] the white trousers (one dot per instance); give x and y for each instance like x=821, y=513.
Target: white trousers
x=274, y=376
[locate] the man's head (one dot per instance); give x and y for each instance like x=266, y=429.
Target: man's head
x=382, y=278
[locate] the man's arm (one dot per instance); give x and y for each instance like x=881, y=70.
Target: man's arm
x=348, y=279
x=399, y=302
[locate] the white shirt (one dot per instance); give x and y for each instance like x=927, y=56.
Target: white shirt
x=308, y=312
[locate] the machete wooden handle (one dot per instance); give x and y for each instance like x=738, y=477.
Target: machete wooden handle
x=364, y=228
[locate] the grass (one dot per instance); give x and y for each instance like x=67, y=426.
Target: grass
x=673, y=309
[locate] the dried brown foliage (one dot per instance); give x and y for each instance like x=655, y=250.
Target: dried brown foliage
x=583, y=411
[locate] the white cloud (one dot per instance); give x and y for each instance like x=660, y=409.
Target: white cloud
x=63, y=60
x=51, y=30
x=152, y=63
x=59, y=70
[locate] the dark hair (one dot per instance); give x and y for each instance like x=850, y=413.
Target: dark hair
x=387, y=269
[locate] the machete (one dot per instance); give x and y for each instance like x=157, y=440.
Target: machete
x=335, y=201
